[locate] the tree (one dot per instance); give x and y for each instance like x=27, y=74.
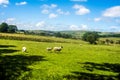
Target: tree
x=90, y=37
x=12, y=28
x=107, y=41
x=4, y=27
x=58, y=34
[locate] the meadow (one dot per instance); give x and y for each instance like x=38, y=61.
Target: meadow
x=74, y=62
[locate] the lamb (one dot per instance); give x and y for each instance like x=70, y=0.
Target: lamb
x=49, y=48
x=80, y=44
x=24, y=49
x=57, y=49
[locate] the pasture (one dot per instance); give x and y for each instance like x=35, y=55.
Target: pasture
x=74, y=62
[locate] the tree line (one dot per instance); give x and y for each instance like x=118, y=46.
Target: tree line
x=5, y=28
x=93, y=38
x=110, y=35
x=49, y=33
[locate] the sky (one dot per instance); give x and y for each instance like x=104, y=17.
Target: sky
x=62, y=15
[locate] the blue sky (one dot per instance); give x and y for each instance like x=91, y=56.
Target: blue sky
x=59, y=15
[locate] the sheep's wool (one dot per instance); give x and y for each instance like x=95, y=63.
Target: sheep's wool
x=24, y=49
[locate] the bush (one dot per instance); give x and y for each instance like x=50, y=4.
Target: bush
x=90, y=37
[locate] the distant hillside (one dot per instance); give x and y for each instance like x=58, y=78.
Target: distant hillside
x=109, y=34
x=76, y=34
x=73, y=34
x=41, y=32
x=69, y=34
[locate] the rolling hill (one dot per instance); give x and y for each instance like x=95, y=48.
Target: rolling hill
x=75, y=34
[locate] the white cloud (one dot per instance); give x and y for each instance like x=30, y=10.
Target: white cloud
x=115, y=28
x=45, y=11
x=45, y=6
x=74, y=27
x=21, y=3
x=81, y=27
x=53, y=6
x=97, y=19
x=41, y=24
x=79, y=0
x=25, y=25
x=81, y=10
x=52, y=15
x=59, y=11
x=10, y=20
x=112, y=12
x=53, y=11
x=4, y=3
x=84, y=27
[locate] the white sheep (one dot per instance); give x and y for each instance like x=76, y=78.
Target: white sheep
x=49, y=48
x=57, y=49
x=24, y=49
x=80, y=44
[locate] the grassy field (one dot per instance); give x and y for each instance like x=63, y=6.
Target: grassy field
x=74, y=62
x=23, y=37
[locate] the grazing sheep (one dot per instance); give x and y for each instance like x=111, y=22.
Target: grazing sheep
x=24, y=49
x=49, y=48
x=80, y=44
x=57, y=49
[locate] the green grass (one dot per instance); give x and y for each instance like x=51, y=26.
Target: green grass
x=23, y=37
x=74, y=62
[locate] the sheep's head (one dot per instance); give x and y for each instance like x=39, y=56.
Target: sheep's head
x=61, y=46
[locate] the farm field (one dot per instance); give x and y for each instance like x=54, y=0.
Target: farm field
x=74, y=62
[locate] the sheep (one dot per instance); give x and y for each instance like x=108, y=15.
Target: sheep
x=57, y=49
x=24, y=49
x=80, y=44
x=49, y=48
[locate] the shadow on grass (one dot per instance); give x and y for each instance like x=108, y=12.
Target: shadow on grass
x=8, y=51
x=6, y=46
x=105, y=67
x=14, y=66
x=77, y=75
x=5, y=49
x=11, y=67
